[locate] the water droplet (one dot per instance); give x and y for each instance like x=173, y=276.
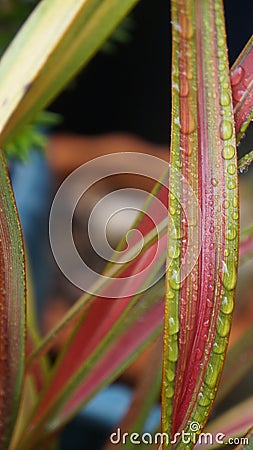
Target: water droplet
x=184, y=87
x=228, y=152
x=203, y=399
x=226, y=204
x=231, y=184
x=220, y=345
x=187, y=148
x=235, y=202
x=226, y=252
x=173, y=325
x=169, y=391
x=213, y=371
x=236, y=75
x=231, y=169
x=223, y=325
x=174, y=279
x=221, y=42
x=226, y=130
x=214, y=181
x=187, y=121
x=209, y=303
x=172, y=210
x=238, y=93
x=186, y=28
x=227, y=303
x=229, y=275
x=173, y=251
x=224, y=98
x=235, y=215
x=173, y=348
x=170, y=374
x=247, y=80
x=198, y=354
x=231, y=233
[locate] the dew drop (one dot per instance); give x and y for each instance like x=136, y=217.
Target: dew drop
x=231, y=233
x=228, y=152
x=226, y=204
x=170, y=375
x=203, y=399
x=214, y=181
x=170, y=294
x=247, y=80
x=221, y=42
x=187, y=121
x=184, y=87
x=231, y=184
x=229, y=276
x=236, y=75
x=220, y=345
x=173, y=326
x=235, y=215
x=209, y=303
x=173, y=251
x=238, y=92
x=173, y=349
x=235, y=202
x=172, y=210
x=223, y=325
x=226, y=130
x=227, y=303
x=198, y=354
x=169, y=391
x=224, y=98
x=226, y=252
x=231, y=169
x=186, y=29
x=174, y=279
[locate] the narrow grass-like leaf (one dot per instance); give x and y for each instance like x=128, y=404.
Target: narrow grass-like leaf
x=145, y=395
x=242, y=89
x=234, y=423
x=140, y=327
x=248, y=441
x=65, y=35
x=238, y=362
x=246, y=245
x=199, y=304
x=12, y=309
x=245, y=162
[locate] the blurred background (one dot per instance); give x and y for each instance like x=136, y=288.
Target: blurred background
x=119, y=102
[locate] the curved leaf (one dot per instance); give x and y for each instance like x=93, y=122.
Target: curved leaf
x=242, y=89
x=65, y=35
x=199, y=305
x=12, y=308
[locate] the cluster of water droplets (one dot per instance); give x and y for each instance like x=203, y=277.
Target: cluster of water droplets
x=229, y=211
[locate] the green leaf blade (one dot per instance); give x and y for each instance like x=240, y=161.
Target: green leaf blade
x=242, y=89
x=12, y=313
x=203, y=150
x=64, y=37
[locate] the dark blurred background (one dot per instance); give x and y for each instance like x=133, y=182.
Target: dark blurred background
x=129, y=89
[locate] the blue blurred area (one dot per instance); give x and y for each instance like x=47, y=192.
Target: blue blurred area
x=93, y=426
x=33, y=184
